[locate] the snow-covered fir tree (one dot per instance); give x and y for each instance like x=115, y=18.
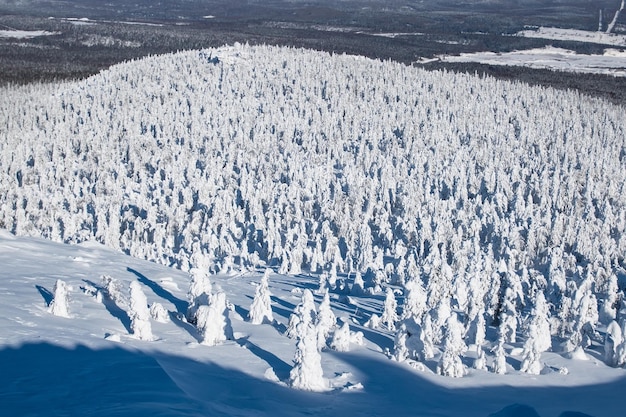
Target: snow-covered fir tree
x=450, y=363
x=390, y=316
x=307, y=373
x=200, y=289
x=59, y=306
x=139, y=313
x=213, y=322
x=341, y=338
x=305, y=313
x=325, y=321
x=261, y=308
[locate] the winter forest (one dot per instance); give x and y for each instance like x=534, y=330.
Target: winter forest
x=482, y=214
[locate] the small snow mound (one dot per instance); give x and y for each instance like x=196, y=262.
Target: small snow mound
x=159, y=313
x=353, y=387
x=113, y=337
x=578, y=354
x=418, y=366
x=271, y=375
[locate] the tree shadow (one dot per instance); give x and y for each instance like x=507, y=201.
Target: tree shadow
x=280, y=367
x=380, y=339
x=286, y=307
x=111, y=306
x=242, y=312
x=183, y=324
x=47, y=295
x=181, y=305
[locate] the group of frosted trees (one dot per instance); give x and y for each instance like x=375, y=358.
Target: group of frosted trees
x=480, y=192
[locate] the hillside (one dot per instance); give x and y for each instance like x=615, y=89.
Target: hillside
x=89, y=364
x=478, y=219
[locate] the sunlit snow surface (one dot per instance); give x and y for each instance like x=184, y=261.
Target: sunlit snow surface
x=612, y=62
x=574, y=35
x=75, y=366
x=25, y=34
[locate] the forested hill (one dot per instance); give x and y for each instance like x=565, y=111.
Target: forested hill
x=484, y=191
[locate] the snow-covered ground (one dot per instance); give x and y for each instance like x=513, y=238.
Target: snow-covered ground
x=612, y=62
x=88, y=364
x=25, y=34
x=575, y=35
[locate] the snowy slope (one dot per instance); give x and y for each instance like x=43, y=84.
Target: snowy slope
x=575, y=35
x=483, y=222
x=75, y=366
x=612, y=62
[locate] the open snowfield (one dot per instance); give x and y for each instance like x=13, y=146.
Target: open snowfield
x=89, y=364
x=575, y=35
x=612, y=62
x=25, y=34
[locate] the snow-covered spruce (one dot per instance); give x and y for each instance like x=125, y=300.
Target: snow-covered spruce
x=307, y=373
x=139, y=313
x=450, y=363
x=159, y=313
x=200, y=288
x=539, y=339
x=326, y=321
x=303, y=315
x=341, y=338
x=389, y=316
x=261, y=308
x=213, y=322
x=59, y=306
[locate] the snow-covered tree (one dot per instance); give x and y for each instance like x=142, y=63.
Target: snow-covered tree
x=59, y=306
x=326, y=320
x=139, y=313
x=303, y=315
x=390, y=316
x=200, y=289
x=415, y=303
x=261, y=308
x=214, y=323
x=450, y=363
x=307, y=373
x=159, y=313
x=480, y=362
x=341, y=338
x=538, y=338
x=499, y=360
x=508, y=317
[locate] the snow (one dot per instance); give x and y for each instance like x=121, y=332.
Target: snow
x=90, y=365
x=575, y=35
x=25, y=34
x=460, y=197
x=612, y=62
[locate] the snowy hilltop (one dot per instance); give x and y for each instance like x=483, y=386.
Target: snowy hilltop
x=404, y=231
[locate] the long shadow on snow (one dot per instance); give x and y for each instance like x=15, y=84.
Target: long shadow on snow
x=113, y=309
x=42, y=379
x=280, y=367
x=47, y=295
x=394, y=389
x=181, y=305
